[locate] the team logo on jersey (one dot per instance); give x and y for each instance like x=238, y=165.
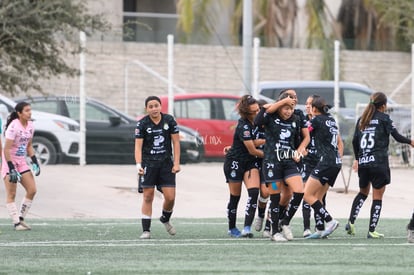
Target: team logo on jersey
x=233, y=173
x=270, y=173
x=285, y=134
x=158, y=140
x=246, y=134
x=166, y=127
x=294, y=124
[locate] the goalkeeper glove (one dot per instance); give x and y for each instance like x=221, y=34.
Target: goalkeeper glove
x=35, y=166
x=14, y=176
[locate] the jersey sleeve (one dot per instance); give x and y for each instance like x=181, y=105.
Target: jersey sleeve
x=139, y=129
x=11, y=131
x=173, y=126
x=246, y=132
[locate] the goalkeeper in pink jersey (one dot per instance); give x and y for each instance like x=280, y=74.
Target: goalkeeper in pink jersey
x=18, y=143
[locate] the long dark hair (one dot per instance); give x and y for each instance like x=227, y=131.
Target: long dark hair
x=13, y=115
x=320, y=104
x=375, y=102
x=244, y=105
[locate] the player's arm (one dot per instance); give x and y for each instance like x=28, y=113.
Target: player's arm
x=138, y=155
x=176, y=147
x=273, y=107
x=32, y=154
x=252, y=149
x=14, y=176
x=305, y=141
x=340, y=145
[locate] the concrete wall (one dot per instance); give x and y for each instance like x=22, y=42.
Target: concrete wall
x=217, y=69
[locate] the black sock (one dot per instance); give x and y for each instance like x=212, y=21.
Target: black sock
x=292, y=208
x=274, y=212
x=165, y=216
x=261, y=212
x=282, y=213
x=320, y=210
x=267, y=226
x=319, y=224
x=411, y=224
x=306, y=213
x=232, y=210
x=251, y=206
x=375, y=214
x=146, y=224
x=356, y=207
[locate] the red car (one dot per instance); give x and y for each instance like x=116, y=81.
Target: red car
x=213, y=115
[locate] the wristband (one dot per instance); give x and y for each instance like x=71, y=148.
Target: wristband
x=138, y=166
x=11, y=166
x=34, y=159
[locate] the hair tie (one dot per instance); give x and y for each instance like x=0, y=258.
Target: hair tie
x=372, y=101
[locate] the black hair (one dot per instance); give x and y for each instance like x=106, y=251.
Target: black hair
x=285, y=90
x=375, y=102
x=244, y=105
x=320, y=104
x=14, y=115
x=152, y=97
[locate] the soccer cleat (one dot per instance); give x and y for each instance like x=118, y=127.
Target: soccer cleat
x=410, y=235
x=307, y=232
x=20, y=227
x=234, y=232
x=350, y=228
x=258, y=224
x=145, y=235
x=278, y=237
x=25, y=225
x=330, y=228
x=246, y=232
x=316, y=235
x=169, y=228
x=287, y=232
x=374, y=235
x=266, y=234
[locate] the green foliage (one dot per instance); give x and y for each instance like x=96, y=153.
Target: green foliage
x=36, y=35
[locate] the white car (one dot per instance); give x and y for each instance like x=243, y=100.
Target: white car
x=56, y=137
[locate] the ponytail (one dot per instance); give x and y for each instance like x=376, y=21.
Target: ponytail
x=320, y=104
x=13, y=115
x=375, y=102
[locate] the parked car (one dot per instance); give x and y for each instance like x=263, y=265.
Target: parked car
x=212, y=115
x=109, y=132
x=350, y=95
x=56, y=137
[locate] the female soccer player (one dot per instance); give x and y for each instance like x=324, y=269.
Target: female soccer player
x=156, y=162
x=240, y=165
x=324, y=131
x=19, y=134
x=282, y=130
x=370, y=143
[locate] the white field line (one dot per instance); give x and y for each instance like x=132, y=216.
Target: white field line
x=193, y=242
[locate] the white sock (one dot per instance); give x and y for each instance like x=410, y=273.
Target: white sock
x=25, y=206
x=14, y=214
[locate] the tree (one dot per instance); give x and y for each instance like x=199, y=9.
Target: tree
x=377, y=24
x=36, y=35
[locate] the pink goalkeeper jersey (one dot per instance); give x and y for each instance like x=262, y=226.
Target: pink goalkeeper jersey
x=21, y=136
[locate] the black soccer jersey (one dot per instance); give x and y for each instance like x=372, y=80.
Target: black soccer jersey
x=281, y=135
x=244, y=132
x=324, y=131
x=311, y=158
x=371, y=144
x=157, y=137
